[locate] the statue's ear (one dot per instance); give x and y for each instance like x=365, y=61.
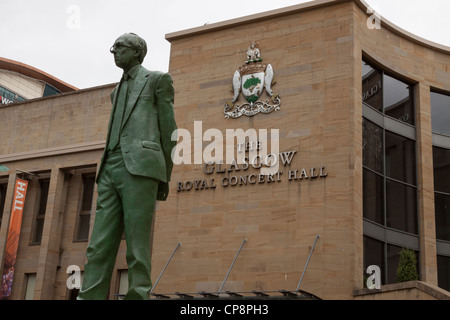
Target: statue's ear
x=137, y=54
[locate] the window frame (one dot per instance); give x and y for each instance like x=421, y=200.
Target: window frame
x=439, y=92
x=405, y=131
x=440, y=141
x=374, y=230
x=385, y=72
x=81, y=212
x=39, y=212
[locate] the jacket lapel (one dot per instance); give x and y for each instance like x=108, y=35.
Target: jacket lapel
x=138, y=86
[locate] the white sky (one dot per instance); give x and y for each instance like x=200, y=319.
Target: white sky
x=51, y=36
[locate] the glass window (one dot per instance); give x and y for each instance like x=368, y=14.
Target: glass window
x=84, y=216
x=442, y=210
x=397, y=101
x=372, y=146
x=372, y=87
x=385, y=256
x=440, y=113
x=393, y=258
x=88, y=192
x=374, y=255
x=50, y=90
x=30, y=279
x=389, y=168
x=389, y=199
x=440, y=123
x=401, y=207
x=443, y=266
x=7, y=97
x=441, y=166
x=373, y=196
x=44, y=185
x=387, y=94
x=83, y=227
x=400, y=158
x=40, y=215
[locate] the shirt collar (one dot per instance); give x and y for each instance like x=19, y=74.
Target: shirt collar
x=132, y=73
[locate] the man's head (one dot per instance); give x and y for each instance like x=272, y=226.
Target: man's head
x=129, y=50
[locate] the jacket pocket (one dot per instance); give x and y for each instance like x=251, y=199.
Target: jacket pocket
x=151, y=145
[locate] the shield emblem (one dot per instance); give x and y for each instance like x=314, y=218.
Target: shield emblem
x=252, y=86
x=252, y=79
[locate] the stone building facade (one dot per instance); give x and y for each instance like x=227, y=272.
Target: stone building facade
x=348, y=120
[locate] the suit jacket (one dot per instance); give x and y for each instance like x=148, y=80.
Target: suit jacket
x=147, y=126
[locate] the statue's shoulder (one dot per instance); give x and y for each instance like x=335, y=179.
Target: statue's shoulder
x=157, y=77
x=153, y=75
x=145, y=71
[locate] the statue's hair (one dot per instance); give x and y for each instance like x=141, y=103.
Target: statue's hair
x=138, y=43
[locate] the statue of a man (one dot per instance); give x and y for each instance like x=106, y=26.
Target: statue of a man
x=134, y=172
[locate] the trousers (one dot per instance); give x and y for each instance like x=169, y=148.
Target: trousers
x=125, y=203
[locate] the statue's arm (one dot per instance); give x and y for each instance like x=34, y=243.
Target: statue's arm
x=166, y=118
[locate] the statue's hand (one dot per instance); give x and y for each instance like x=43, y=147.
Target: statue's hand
x=163, y=191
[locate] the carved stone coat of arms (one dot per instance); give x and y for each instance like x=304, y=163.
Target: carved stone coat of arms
x=252, y=79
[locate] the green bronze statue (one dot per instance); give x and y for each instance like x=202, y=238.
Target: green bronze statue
x=134, y=172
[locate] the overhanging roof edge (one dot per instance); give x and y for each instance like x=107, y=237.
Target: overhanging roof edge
x=299, y=8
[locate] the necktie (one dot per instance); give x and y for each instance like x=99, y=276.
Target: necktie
x=118, y=114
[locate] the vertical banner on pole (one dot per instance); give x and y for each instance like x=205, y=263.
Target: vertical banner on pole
x=12, y=242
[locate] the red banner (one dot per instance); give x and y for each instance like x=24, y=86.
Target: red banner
x=12, y=242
